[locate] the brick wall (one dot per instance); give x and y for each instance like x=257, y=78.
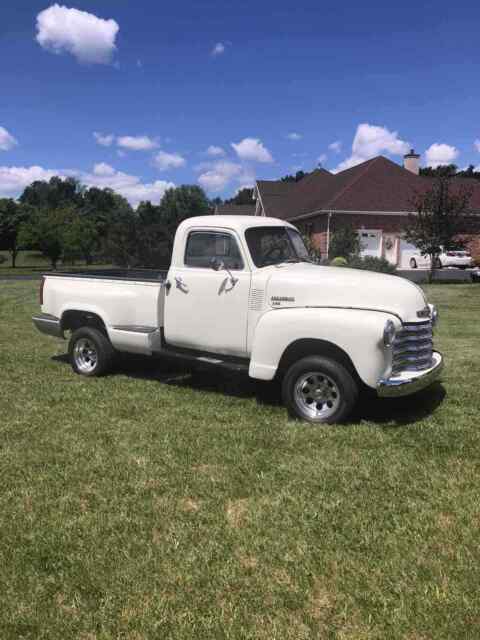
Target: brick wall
x=389, y=224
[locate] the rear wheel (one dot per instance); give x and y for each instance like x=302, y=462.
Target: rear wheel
x=319, y=390
x=91, y=353
x=413, y=263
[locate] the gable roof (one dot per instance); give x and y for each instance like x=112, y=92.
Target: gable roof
x=376, y=185
x=235, y=209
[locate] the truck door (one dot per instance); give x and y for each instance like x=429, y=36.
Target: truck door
x=206, y=309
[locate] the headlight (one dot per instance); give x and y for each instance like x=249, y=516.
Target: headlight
x=389, y=333
x=434, y=314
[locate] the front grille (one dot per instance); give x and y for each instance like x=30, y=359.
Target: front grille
x=412, y=348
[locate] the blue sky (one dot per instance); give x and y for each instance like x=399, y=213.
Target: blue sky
x=161, y=83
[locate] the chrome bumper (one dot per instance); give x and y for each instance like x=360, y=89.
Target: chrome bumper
x=410, y=381
x=48, y=324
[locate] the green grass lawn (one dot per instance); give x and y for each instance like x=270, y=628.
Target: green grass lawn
x=32, y=262
x=156, y=504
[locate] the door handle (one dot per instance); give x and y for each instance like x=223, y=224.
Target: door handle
x=180, y=284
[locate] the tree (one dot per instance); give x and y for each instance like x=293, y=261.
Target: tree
x=12, y=216
x=442, y=171
x=243, y=196
x=344, y=242
x=439, y=218
x=57, y=192
x=47, y=230
x=178, y=204
x=469, y=172
x=296, y=178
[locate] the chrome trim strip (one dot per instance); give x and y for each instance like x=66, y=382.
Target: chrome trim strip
x=395, y=387
x=49, y=325
x=135, y=328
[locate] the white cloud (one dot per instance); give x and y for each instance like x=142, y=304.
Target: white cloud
x=103, y=169
x=322, y=158
x=217, y=175
x=215, y=151
x=89, y=38
x=294, y=136
x=7, y=141
x=104, y=140
x=336, y=146
x=252, y=149
x=137, y=143
x=370, y=141
x=165, y=161
x=130, y=187
x=476, y=144
x=13, y=181
x=438, y=154
x=218, y=49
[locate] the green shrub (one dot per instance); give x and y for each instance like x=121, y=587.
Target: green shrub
x=371, y=263
x=339, y=262
x=344, y=242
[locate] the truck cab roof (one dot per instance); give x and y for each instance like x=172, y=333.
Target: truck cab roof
x=236, y=223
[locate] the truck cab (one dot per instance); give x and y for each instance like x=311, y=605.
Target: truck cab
x=241, y=292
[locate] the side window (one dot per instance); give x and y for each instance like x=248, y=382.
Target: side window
x=202, y=246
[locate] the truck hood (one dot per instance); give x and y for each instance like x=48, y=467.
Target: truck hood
x=311, y=285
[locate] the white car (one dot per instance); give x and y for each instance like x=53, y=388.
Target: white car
x=459, y=258
x=242, y=294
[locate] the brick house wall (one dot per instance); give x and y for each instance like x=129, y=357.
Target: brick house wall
x=392, y=227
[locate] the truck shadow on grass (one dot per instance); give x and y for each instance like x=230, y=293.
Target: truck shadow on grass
x=389, y=413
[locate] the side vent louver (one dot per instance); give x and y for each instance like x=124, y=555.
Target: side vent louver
x=256, y=299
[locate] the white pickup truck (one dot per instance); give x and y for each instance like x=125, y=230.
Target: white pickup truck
x=242, y=293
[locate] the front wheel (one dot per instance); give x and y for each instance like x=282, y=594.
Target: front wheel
x=413, y=263
x=91, y=353
x=319, y=390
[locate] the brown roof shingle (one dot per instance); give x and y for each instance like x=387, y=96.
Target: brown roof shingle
x=376, y=185
x=235, y=209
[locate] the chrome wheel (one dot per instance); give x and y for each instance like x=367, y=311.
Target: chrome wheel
x=85, y=355
x=316, y=395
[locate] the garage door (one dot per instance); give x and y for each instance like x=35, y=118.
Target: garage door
x=370, y=242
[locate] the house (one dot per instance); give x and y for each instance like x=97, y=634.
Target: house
x=374, y=196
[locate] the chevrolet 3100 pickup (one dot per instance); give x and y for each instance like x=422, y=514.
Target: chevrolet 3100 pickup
x=242, y=293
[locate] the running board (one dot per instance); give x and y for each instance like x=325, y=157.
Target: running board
x=235, y=365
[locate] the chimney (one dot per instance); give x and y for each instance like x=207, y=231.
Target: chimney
x=411, y=162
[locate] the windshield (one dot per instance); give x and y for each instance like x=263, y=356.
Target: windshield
x=274, y=245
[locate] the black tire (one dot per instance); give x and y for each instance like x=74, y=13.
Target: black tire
x=88, y=340
x=413, y=263
x=329, y=378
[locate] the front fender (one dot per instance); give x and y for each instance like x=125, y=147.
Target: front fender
x=359, y=333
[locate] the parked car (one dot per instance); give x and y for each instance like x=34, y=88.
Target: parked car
x=475, y=275
x=242, y=294
x=460, y=258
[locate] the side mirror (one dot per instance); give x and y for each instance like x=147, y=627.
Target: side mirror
x=216, y=264
x=219, y=265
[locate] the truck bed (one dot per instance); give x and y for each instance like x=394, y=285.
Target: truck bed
x=138, y=275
